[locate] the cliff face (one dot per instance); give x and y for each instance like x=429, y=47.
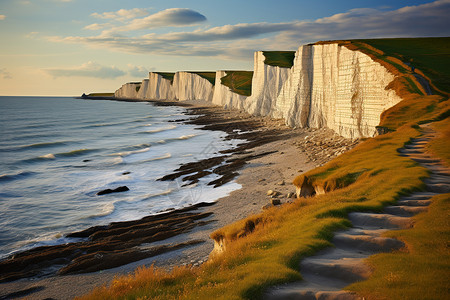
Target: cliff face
x=128, y=91
x=266, y=84
x=190, y=86
x=224, y=97
x=327, y=86
x=143, y=90
x=332, y=86
x=159, y=88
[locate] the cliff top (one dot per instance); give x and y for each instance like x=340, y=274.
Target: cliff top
x=239, y=82
x=283, y=59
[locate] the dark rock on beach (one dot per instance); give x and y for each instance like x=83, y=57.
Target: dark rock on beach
x=116, y=190
x=109, y=246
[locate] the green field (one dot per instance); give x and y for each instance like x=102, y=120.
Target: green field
x=239, y=82
x=265, y=249
x=284, y=59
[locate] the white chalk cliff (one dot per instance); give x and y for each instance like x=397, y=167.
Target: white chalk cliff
x=332, y=86
x=159, y=88
x=128, y=91
x=224, y=97
x=191, y=86
x=266, y=84
x=328, y=86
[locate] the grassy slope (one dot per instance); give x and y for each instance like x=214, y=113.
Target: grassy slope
x=284, y=59
x=430, y=55
x=239, y=82
x=357, y=180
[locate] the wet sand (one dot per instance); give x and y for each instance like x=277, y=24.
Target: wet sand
x=271, y=157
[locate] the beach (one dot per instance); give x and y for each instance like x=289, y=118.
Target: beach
x=271, y=157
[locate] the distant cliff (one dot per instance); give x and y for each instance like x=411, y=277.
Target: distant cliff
x=322, y=85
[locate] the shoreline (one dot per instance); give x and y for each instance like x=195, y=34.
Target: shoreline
x=269, y=164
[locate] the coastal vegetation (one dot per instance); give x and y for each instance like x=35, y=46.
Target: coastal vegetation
x=101, y=95
x=239, y=82
x=283, y=59
x=265, y=249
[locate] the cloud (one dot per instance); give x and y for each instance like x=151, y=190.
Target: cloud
x=2, y=17
x=89, y=69
x=239, y=40
x=168, y=17
x=96, y=26
x=5, y=74
x=137, y=71
x=122, y=14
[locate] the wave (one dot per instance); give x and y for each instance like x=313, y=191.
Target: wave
x=77, y=152
x=183, y=137
x=20, y=175
x=51, y=156
x=165, y=156
x=44, y=145
x=127, y=153
x=158, y=129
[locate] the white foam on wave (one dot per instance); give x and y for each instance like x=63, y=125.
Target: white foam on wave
x=127, y=153
x=48, y=156
x=161, y=129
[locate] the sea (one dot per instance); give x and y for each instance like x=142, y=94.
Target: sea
x=56, y=153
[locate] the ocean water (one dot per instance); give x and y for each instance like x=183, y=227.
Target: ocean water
x=57, y=153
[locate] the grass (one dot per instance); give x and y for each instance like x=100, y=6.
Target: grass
x=210, y=76
x=430, y=55
x=420, y=273
x=239, y=82
x=101, y=95
x=168, y=76
x=264, y=250
x=283, y=59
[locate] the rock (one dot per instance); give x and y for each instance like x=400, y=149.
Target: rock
x=281, y=182
x=86, y=160
x=261, y=180
x=275, y=202
x=116, y=190
x=267, y=206
x=270, y=192
x=290, y=195
x=126, y=173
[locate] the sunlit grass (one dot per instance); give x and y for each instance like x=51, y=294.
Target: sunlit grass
x=239, y=82
x=421, y=272
x=283, y=59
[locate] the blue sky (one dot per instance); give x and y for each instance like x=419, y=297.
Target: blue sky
x=67, y=47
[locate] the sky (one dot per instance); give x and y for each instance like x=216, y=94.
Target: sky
x=70, y=47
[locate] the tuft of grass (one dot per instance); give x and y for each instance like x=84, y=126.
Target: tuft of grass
x=283, y=59
x=210, y=76
x=166, y=75
x=239, y=82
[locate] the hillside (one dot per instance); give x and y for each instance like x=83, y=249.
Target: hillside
x=265, y=249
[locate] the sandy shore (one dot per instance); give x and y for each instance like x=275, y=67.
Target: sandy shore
x=293, y=152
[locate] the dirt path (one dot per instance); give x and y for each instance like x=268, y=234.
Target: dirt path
x=328, y=272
